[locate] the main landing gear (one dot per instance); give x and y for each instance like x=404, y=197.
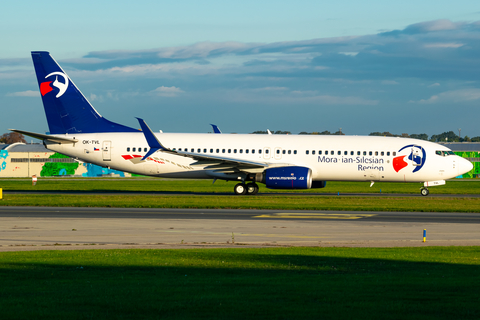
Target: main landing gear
x=249, y=188
x=424, y=191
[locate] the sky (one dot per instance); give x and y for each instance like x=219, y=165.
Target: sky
x=403, y=67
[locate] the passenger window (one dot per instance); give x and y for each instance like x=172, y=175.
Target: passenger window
x=289, y=151
x=364, y=153
x=267, y=151
x=253, y=151
x=278, y=151
x=246, y=150
x=284, y=151
x=234, y=150
x=259, y=151
x=352, y=153
x=211, y=150
x=319, y=152
x=376, y=153
x=241, y=150
x=192, y=150
x=394, y=153
x=388, y=153
x=358, y=153
x=223, y=150
x=345, y=153
x=339, y=153
x=326, y=152
x=307, y=152
x=229, y=150
x=204, y=150
x=199, y=150
x=218, y=150
x=370, y=153
x=332, y=152
x=128, y=149
x=294, y=151
x=134, y=149
x=144, y=149
x=313, y=152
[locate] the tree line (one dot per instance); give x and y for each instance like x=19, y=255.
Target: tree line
x=449, y=136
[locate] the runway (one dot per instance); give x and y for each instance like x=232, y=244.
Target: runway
x=33, y=228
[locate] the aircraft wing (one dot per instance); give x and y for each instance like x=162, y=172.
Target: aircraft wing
x=203, y=159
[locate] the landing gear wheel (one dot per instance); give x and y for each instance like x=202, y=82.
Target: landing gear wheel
x=424, y=192
x=240, y=188
x=252, y=189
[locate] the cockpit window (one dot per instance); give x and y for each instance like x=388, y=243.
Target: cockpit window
x=444, y=153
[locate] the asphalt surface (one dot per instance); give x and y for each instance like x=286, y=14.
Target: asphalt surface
x=33, y=228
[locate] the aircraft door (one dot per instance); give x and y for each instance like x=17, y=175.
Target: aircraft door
x=266, y=153
x=277, y=153
x=416, y=156
x=106, y=150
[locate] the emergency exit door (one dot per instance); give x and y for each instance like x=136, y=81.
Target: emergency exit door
x=106, y=150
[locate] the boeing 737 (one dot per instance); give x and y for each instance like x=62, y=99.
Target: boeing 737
x=278, y=161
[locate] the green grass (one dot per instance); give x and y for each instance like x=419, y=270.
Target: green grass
x=416, y=204
x=201, y=194
x=206, y=186
x=270, y=283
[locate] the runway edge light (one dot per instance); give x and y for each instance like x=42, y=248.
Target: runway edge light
x=424, y=235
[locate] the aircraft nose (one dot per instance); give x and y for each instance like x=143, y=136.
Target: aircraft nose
x=464, y=166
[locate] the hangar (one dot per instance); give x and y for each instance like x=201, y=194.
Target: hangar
x=24, y=160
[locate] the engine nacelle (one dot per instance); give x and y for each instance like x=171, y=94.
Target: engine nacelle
x=288, y=178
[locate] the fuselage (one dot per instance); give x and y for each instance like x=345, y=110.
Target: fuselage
x=333, y=158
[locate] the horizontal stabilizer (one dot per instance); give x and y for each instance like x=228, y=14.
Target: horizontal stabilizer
x=40, y=136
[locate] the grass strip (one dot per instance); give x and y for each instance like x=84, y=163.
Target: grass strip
x=413, y=204
x=270, y=283
x=205, y=186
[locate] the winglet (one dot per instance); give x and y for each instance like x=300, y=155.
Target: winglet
x=215, y=128
x=152, y=141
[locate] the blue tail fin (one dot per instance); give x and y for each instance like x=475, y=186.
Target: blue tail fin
x=67, y=110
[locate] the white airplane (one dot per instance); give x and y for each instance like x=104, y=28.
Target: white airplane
x=278, y=161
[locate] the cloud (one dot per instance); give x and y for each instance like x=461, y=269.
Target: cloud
x=28, y=93
x=444, y=45
x=453, y=96
x=167, y=91
x=426, y=27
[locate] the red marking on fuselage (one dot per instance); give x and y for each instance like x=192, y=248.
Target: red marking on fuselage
x=399, y=163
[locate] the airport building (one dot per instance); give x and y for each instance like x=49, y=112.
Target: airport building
x=25, y=160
